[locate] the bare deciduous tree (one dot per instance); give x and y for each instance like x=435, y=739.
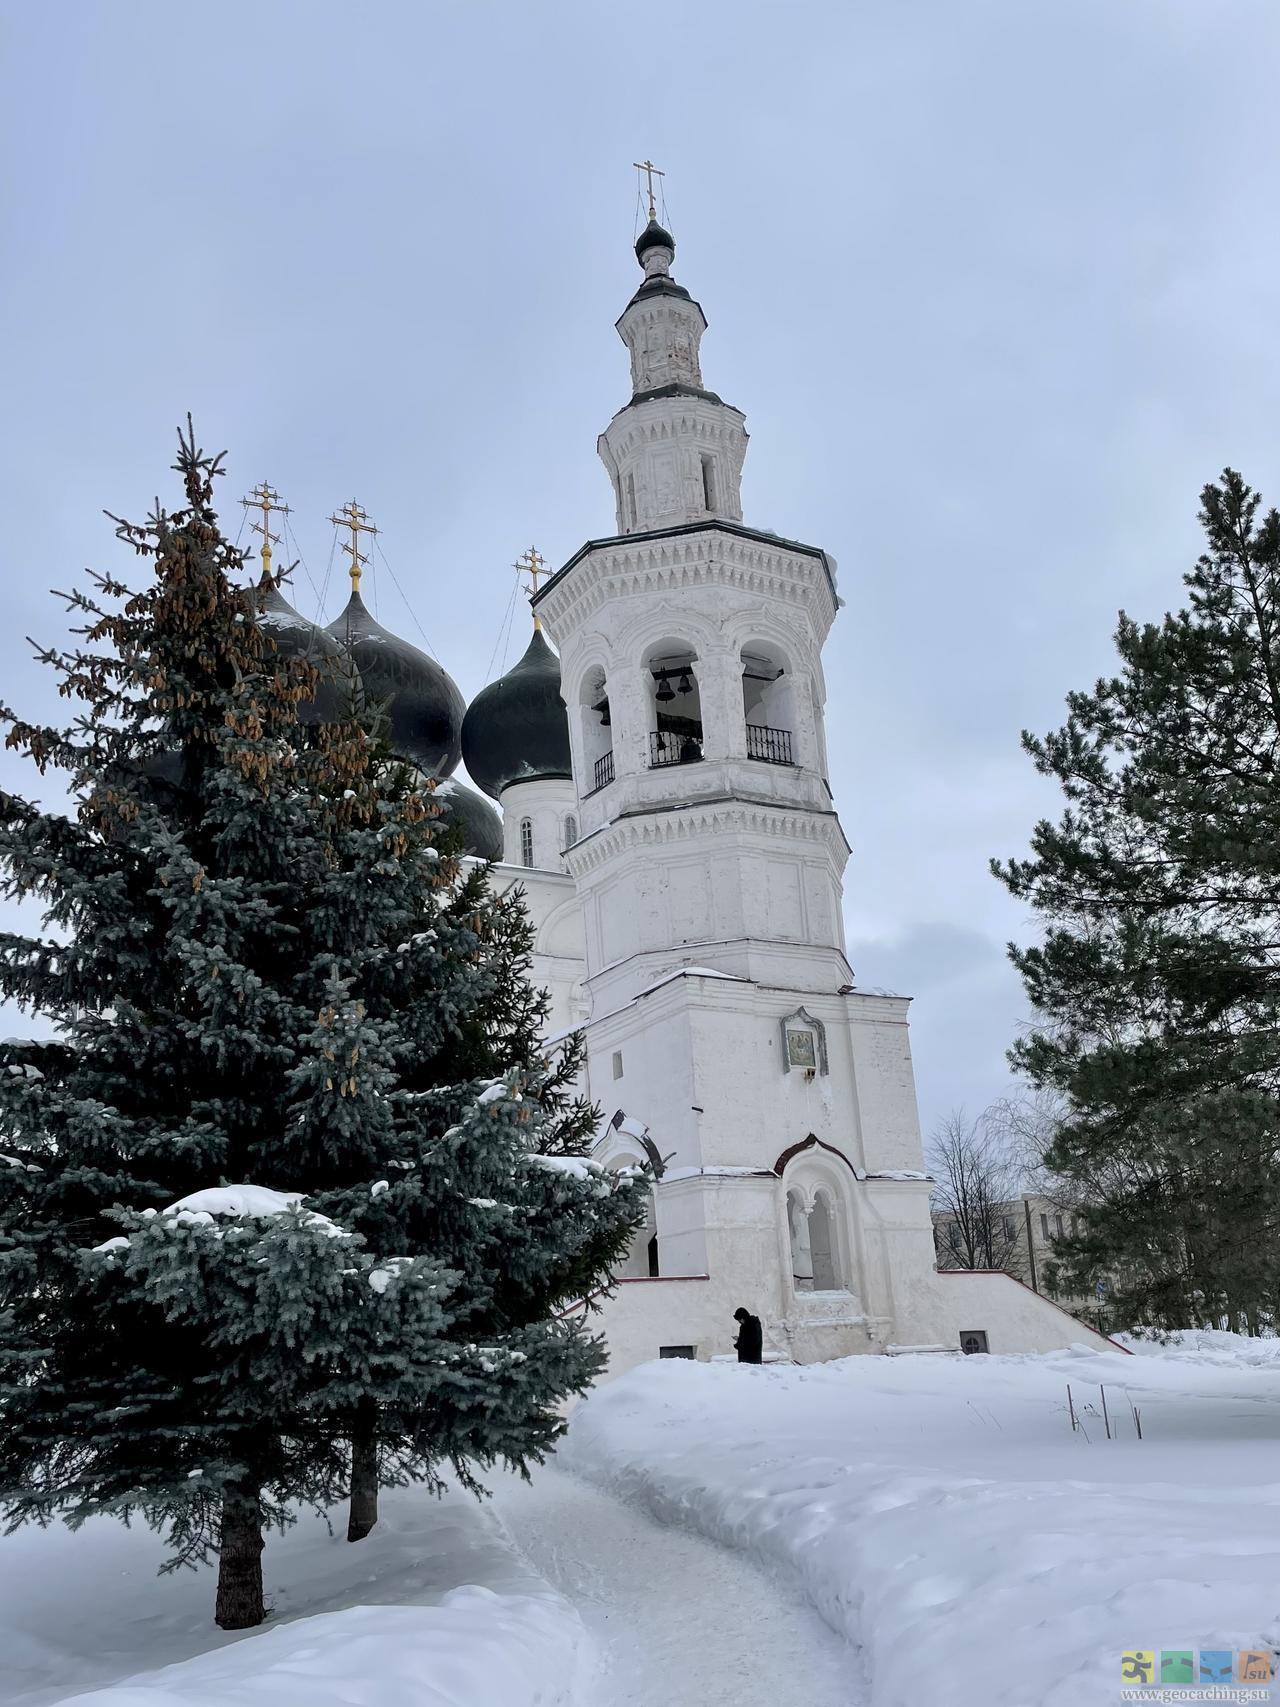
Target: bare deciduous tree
x=977, y=1193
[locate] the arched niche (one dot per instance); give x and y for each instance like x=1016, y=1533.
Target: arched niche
x=819, y=1222
x=619, y=1150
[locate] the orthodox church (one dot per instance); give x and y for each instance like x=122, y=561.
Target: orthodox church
x=660, y=780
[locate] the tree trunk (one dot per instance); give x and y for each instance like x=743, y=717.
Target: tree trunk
x=364, y=1474
x=240, y=1604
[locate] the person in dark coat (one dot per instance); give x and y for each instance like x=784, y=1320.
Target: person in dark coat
x=750, y=1340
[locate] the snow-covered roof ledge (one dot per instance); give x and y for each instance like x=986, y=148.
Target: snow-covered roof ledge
x=691, y=972
x=716, y=1173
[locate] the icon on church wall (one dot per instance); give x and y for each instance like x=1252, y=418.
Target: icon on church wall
x=801, y=1049
x=804, y=1043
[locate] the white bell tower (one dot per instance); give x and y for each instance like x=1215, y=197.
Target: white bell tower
x=691, y=655
x=725, y=1030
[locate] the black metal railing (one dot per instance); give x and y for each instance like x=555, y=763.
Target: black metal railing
x=668, y=748
x=604, y=770
x=771, y=745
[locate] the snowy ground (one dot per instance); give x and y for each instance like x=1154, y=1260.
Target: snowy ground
x=963, y=1547
x=432, y=1610
x=941, y=1513
x=553, y=1594
x=677, y=1621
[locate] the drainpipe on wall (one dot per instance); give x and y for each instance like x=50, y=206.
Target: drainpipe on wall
x=1031, y=1249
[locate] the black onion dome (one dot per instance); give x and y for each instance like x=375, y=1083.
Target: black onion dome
x=517, y=729
x=481, y=823
x=654, y=236
x=295, y=637
x=423, y=707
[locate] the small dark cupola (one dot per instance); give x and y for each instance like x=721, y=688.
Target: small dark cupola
x=655, y=236
x=480, y=823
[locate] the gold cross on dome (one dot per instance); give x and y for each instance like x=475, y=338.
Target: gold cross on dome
x=264, y=499
x=651, y=172
x=533, y=564
x=353, y=517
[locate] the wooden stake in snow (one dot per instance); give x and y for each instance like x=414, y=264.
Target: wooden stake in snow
x=1071, y=1408
x=1106, y=1420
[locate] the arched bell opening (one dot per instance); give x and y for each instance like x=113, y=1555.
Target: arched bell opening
x=768, y=704
x=595, y=727
x=675, y=705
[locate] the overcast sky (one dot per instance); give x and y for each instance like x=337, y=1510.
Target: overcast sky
x=996, y=283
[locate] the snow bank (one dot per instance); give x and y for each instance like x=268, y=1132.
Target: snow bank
x=475, y=1649
x=942, y=1514
x=1207, y=1345
x=434, y=1609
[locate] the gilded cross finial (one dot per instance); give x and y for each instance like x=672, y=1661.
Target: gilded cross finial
x=353, y=517
x=264, y=499
x=651, y=172
x=533, y=564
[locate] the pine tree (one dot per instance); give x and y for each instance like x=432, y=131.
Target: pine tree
x=292, y=1175
x=1157, y=983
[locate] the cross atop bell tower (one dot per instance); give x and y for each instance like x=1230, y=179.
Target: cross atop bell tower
x=651, y=172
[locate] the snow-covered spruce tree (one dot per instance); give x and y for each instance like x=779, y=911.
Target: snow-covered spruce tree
x=1156, y=986
x=270, y=981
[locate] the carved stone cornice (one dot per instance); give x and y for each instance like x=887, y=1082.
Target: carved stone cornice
x=663, y=826
x=656, y=564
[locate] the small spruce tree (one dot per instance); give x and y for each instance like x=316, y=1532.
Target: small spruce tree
x=295, y=1176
